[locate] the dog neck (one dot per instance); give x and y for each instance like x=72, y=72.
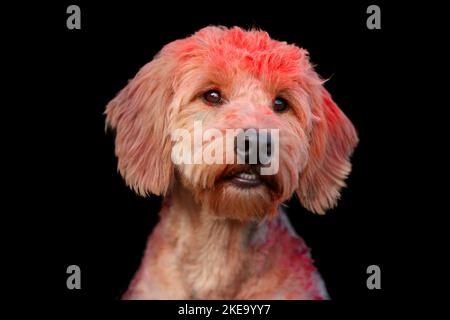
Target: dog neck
x=193, y=254
x=213, y=253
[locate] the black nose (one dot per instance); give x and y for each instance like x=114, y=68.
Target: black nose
x=253, y=146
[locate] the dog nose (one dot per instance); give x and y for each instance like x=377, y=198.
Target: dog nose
x=253, y=146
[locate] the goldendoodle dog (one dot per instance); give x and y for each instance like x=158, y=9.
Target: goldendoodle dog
x=227, y=124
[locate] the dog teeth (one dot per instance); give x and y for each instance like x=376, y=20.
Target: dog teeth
x=247, y=176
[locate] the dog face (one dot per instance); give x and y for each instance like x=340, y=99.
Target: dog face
x=228, y=81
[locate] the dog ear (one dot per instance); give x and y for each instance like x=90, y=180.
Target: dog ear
x=140, y=114
x=332, y=141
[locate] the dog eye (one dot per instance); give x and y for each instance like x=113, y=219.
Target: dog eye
x=212, y=97
x=280, y=105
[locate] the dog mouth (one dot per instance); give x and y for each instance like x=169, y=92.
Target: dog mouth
x=246, y=180
x=247, y=177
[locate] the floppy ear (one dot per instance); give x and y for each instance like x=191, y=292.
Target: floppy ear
x=332, y=141
x=140, y=115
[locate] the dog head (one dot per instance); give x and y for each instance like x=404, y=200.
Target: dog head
x=201, y=95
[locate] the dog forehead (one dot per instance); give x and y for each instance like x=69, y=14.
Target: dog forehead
x=253, y=51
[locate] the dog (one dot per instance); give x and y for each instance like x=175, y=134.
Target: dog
x=222, y=233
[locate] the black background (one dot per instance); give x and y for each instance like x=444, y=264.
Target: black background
x=88, y=217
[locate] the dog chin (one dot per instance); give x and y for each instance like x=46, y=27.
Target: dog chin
x=242, y=195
